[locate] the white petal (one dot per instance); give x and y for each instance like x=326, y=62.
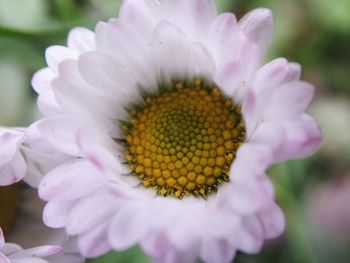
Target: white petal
x=95, y=242
x=41, y=80
x=10, y=248
x=10, y=140
x=302, y=138
x=109, y=77
x=2, y=239
x=250, y=111
x=252, y=195
x=55, y=213
x=290, y=139
x=271, y=75
x=289, y=100
x=104, y=153
x=174, y=256
x=76, y=96
x=217, y=251
x=245, y=241
x=294, y=72
x=42, y=251
x=223, y=38
x=128, y=226
x=61, y=132
x=140, y=14
x=235, y=76
x=201, y=63
x=71, y=180
x=88, y=212
x=81, y=40
x=155, y=244
x=129, y=50
x=193, y=17
x=56, y=54
x=28, y=260
x=273, y=222
x=4, y=259
x=258, y=26
x=13, y=171
x=47, y=102
x=166, y=39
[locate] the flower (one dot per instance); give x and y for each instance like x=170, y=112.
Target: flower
x=13, y=253
x=19, y=152
x=28, y=223
x=21, y=209
x=21, y=220
x=12, y=164
x=170, y=124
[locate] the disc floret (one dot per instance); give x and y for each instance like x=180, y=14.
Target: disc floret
x=183, y=141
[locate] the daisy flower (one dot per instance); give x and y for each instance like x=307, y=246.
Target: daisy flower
x=13, y=253
x=170, y=122
x=12, y=163
x=21, y=209
x=19, y=152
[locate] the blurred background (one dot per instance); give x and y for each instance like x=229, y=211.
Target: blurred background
x=314, y=192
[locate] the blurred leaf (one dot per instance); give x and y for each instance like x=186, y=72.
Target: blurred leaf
x=15, y=108
x=67, y=10
x=104, y=9
x=25, y=14
x=133, y=255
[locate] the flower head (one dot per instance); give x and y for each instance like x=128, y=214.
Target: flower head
x=10, y=252
x=21, y=209
x=21, y=224
x=170, y=123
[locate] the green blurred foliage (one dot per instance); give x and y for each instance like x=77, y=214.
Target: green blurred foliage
x=315, y=33
x=133, y=255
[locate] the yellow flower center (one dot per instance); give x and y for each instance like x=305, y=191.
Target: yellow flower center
x=184, y=141
x=9, y=196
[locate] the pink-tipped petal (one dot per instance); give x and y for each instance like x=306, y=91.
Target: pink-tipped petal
x=258, y=26
x=95, y=242
x=56, y=185
x=128, y=226
x=13, y=171
x=218, y=251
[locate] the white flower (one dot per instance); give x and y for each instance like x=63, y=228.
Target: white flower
x=13, y=253
x=24, y=228
x=159, y=107
x=27, y=230
x=21, y=209
x=19, y=152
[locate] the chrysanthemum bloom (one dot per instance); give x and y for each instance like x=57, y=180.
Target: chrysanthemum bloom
x=21, y=223
x=21, y=209
x=19, y=151
x=13, y=253
x=171, y=123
